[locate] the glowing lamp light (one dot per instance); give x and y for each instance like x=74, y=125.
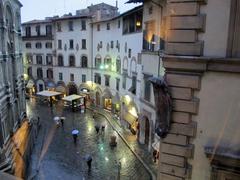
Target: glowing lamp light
x=138, y=23
x=101, y=67
x=106, y=158
x=106, y=66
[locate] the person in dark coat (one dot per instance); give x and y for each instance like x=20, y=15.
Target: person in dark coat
x=97, y=128
x=75, y=138
x=89, y=163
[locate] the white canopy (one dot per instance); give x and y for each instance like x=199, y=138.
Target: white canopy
x=72, y=97
x=48, y=93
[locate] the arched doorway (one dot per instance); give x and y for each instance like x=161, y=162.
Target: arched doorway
x=72, y=89
x=97, y=98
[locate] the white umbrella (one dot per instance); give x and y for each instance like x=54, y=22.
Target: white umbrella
x=75, y=131
x=56, y=118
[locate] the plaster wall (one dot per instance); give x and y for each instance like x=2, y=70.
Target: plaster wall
x=217, y=22
x=217, y=120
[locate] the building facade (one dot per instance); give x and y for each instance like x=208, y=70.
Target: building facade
x=200, y=57
x=99, y=54
x=12, y=88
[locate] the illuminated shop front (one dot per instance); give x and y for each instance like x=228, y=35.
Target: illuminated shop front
x=30, y=87
x=129, y=114
x=108, y=104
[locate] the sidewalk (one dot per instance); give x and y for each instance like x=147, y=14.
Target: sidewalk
x=139, y=150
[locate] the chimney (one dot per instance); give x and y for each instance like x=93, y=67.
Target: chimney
x=116, y=4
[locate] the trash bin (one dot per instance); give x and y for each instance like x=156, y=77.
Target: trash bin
x=113, y=141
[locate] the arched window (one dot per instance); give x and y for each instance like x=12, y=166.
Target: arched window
x=38, y=45
x=49, y=73
x=39, y=73
x=118, y=65
x=60, y=60
x=71, y=61
x=107, y=63
x=98, y=62
x=84, y=61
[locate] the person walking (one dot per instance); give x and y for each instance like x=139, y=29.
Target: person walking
x=97, y=128
x=103, y=128
x=75, y=138
x=89, y=161
x=62, y=121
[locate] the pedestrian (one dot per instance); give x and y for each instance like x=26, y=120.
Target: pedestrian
x=62, y=121
x=97, y=128
x=103, y=128
x=75, y=138
x=89, y=162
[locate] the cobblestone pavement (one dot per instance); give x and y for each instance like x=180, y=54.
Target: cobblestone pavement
x=139, y=149
x=64, y=160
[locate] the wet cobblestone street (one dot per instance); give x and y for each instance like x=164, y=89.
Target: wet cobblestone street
x=65, y=160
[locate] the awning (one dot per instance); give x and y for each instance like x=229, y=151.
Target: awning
x=61, y=89
x=30, y=84
x=48, y=93
x=129, y=118
x=72, y=97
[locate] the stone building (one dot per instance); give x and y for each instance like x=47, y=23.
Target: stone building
x=104, y=62
x=12, y=88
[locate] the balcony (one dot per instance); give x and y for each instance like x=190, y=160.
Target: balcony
x=38, y=37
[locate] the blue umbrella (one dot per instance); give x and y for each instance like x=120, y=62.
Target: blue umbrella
x=75, y=132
